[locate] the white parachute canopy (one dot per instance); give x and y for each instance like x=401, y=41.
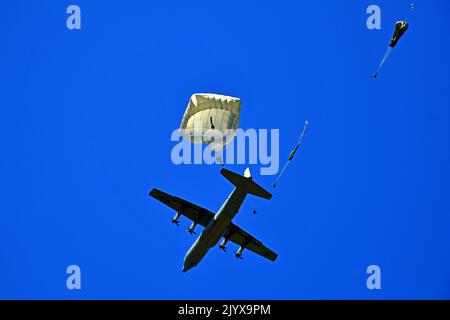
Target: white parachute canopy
x=211, y=119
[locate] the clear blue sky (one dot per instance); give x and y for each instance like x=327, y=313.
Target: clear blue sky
x=86, y=122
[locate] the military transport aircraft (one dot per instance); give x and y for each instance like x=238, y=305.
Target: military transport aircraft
x=218, y=225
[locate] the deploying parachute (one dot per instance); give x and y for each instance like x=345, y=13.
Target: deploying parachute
x=400, y=28
x=291, y=155
x=211, y=119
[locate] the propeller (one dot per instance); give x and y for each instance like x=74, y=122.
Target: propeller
x=238, y=253
x=175, y=219
x=223, y=244
x=192, y=227
x=238, y=256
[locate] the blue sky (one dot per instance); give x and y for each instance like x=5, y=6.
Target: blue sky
x=86, y=123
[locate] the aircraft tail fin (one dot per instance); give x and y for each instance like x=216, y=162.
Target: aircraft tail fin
x=245, y=182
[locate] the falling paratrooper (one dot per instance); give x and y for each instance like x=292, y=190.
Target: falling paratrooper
x=400, y=28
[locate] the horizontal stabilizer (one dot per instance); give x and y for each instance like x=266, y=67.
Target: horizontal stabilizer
x=246, y=183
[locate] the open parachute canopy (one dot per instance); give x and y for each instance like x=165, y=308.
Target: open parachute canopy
x=211, y=119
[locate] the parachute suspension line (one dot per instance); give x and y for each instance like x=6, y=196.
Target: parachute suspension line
x=281, y=173
x=291, y=156
x=303, y=132
x=386, y=55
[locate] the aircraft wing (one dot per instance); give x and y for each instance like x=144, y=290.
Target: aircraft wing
x=204, y=216
x=242, y=238
x=189, y=210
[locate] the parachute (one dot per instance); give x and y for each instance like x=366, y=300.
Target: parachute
x=211, y=119
x=400, y=28
x=291, y=155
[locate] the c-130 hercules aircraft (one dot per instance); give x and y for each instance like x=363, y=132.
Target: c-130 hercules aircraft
x=218, y=225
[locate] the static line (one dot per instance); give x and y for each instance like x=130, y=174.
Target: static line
x=386, y=55
x=291, y=156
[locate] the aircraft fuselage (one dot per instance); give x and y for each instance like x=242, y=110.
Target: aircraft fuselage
x=215, y=229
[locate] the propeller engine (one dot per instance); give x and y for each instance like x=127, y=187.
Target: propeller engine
x=192, y=228
x=223, y=244
x=239, y=252
x=175, y=219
